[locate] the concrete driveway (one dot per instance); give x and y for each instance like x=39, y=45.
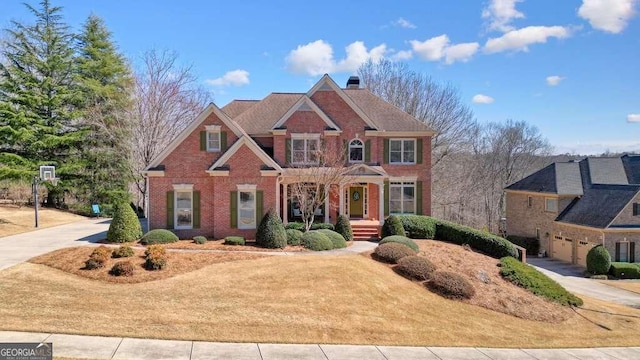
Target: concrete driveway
x=18, y=248
x=571, y=278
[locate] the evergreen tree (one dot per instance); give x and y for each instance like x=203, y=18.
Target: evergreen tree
x=105, y=82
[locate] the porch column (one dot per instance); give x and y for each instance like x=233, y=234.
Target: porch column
x=381, y=202
x=326, y=204
x=341, y=197
x=277, y=197
x=285, y=203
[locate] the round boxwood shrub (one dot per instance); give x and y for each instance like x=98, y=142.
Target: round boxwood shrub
x=122, y=252
x=402, y=240
x=415, y=267
x=316, y=241
x=125, y=226
x=294, y=237
x=392, y=226
x=98, y=258
x=598, y=260
x=159, y=236
x=392, y=252
x=338, y=241
x=234, y=240
x=343, y=227
x=271, y=233
x=451, y=285
x=199, y=240
x=155, y=257
x=318, y=226
x=295, y=225
x=122, y=268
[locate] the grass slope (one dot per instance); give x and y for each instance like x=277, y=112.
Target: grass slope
x=14, y=220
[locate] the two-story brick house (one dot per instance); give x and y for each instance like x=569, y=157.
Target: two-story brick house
x=232, y=164
x=572, y=206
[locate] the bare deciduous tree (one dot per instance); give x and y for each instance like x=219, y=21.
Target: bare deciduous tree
x=166, y=98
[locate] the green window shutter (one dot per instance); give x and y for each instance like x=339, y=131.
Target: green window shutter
x=203, y=141
x=345, y=145
x=170, y=209
x=196, y=209
x=259, y=206
x=385, y=149
x=233, y=209
x=287, y=149
x=367, y=151
x=223, y=141
x=617, y=257
x=419, y=151
x=418, y=197
x=386, y=198
x=632, y=251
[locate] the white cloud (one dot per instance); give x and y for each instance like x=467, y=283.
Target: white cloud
x=438, y=48
x=633, y=118
x=554, y=80
x=519, y=40
x=482, y=99
x=608, y=15
x=316, y=58
x=231, y=78
x=404, y=23
x=402, y=55
x=500, y=13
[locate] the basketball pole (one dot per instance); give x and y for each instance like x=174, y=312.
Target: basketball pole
x=35, y=197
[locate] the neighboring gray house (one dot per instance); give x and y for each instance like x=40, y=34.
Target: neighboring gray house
x=572, y=206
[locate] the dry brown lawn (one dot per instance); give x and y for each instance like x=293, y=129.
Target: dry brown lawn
x=629, y=285
x=14, y=220
x=289, y=299
x=72, y=261
x=219, y=245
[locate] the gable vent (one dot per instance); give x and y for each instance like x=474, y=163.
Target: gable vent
x=353, y=82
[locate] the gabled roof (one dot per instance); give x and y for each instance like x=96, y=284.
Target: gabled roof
x=211, y=108
x=259, y=118
x=607, y=170
x=305, y=103
x=631, y=165
x=245, y=140
x=557, y=178
x=237, y=107
x=599, y=205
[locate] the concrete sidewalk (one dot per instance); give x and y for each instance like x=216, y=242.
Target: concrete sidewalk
x=98, y=347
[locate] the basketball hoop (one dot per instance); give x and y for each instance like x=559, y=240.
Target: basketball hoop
x=54, y=181
x=47, y=173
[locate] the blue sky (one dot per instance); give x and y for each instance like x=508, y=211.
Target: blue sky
x=569, y=67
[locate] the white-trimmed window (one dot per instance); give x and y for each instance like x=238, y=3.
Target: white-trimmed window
x=246, y=206
x=402, y=197
x=402, y=151
x=356, y=151
x=213, y=138
x=551, y=205
x=305, y=148
x=183, y=201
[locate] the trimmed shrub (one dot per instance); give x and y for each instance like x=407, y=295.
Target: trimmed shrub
x=489, y=244
x=125, y=226
x=122, y=252
x=623, y=270
x=401, y=240
x=98, y=258
x=538, y=283
x=199, y=240
x=343, y=227
x=319, y=226
x=392, y=226
x=598, y=260
x=415, y=267
x=451, y=285
x=122, y=268
x=159, y=236
x=316, y=241
x=155, y=257
x=295, y=225
x=234, y=240
x=338, y=241
x=418, y=226
x=294, y=237
x=392, y=252
x=271, y=233
x=531, y=244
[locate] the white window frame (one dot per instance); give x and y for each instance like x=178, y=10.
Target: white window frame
x=247, y=188
x=402, y=151
x=177, y=189
x=352, y=146
x=213, y=130
x=546, y=205
x=402, y=185
x=306, y=138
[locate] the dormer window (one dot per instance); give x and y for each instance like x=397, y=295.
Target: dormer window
x=213, y=138
x=305, y=148
x=356, y=151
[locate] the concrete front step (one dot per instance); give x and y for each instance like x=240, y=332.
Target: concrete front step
x=365, y=232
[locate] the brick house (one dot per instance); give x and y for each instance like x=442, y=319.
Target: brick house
x=232, y=164
x=572, y=206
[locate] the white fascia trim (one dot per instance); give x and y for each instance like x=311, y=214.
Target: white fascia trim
x=279, y=132
x=247, y=187
x=218, y=172
x=269, y=172
x=398, y=133
x=213, y=128
x=403, y=179
x=300, y=136
x=332, y=132
x=245, y=140
x=305, y=100
x=153, y=173
x=362, y=165
x=183, y=187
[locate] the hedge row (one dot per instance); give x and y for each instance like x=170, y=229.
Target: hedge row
x=489, y=244
x=531, y=244
x=623, y=270
x=418, y=227
x=538, y=283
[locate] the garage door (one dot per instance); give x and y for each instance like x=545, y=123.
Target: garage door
x=582, y=249
x=562, y=248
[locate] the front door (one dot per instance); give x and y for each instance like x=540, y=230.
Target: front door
x=356, y=199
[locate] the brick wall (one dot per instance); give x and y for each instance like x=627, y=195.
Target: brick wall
x=626, y=216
